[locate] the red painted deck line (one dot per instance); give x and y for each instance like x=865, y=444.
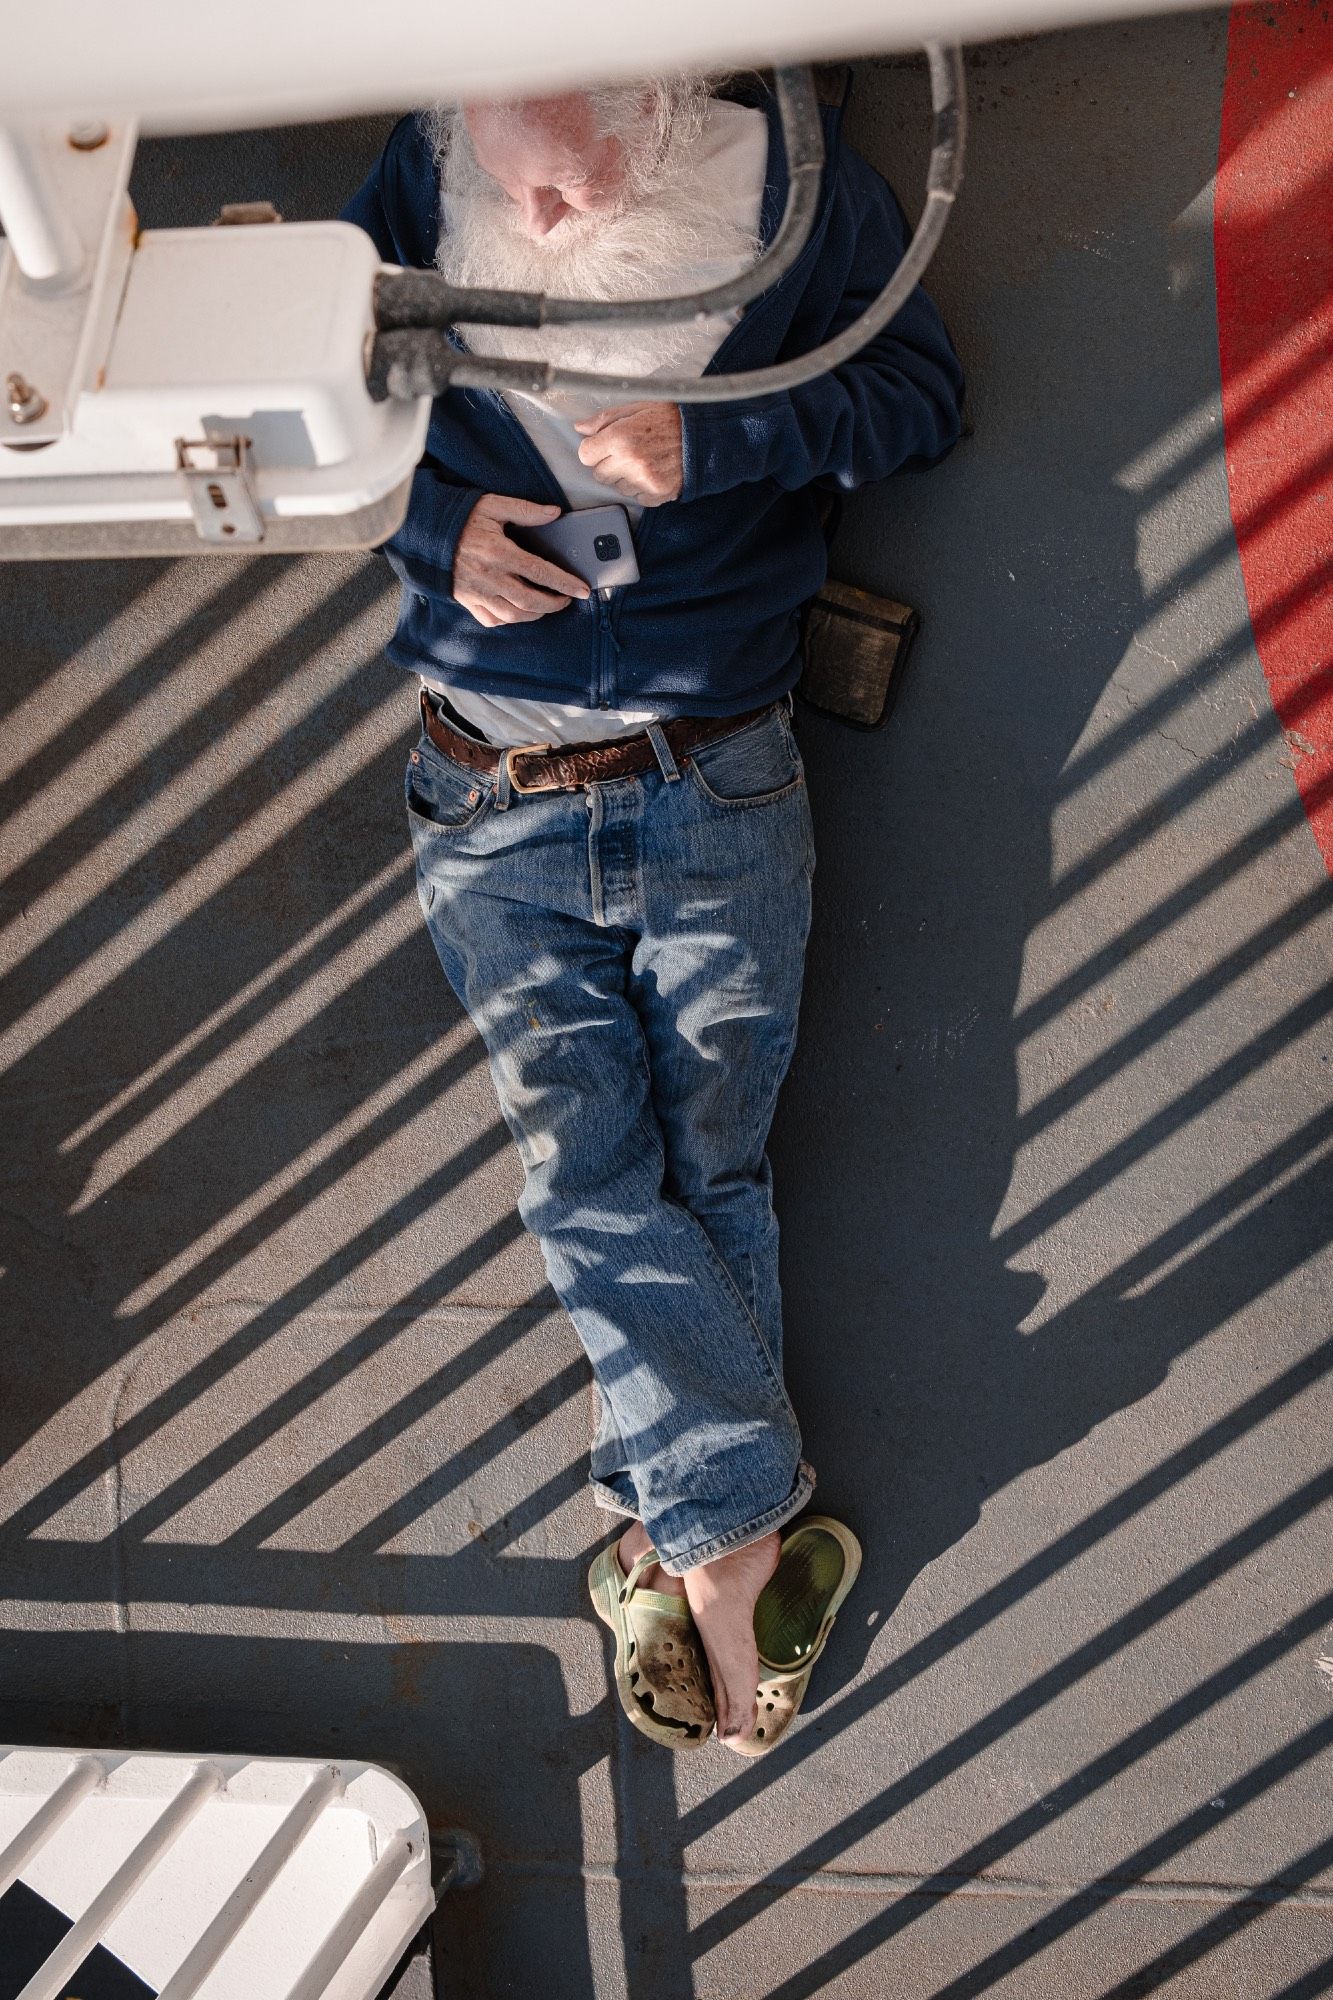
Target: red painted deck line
x=1273, y=245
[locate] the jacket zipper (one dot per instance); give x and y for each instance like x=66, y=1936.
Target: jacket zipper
x=560, y=499
x=604, y=689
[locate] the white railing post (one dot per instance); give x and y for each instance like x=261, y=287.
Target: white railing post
x=86, y=1776
x=352, y=1924
x=200, y=1960
x=69, y=1954
x=45, y=243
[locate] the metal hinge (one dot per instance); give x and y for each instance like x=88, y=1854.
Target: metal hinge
x=220, y=487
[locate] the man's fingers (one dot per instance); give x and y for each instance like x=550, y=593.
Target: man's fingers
x=510, y=601
x=624, y=485
x=611, y=458
x=602, y=451
x=537, y=570
x=533, y=603
x=587, y=425
x=524, y=513
x=476, y=609
x=613, y=468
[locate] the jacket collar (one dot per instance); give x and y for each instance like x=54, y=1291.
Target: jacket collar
x=777, y=180
x=746, y=340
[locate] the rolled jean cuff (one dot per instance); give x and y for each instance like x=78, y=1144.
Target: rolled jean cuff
x=610, y=1501
x=751, y=1531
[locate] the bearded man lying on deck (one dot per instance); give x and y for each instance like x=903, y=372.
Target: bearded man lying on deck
x=608, y=808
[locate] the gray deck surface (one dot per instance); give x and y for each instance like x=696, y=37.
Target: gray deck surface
x=295, y=1433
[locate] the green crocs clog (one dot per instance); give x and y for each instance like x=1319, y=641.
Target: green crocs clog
x=661, y=1674
x=818, y=1565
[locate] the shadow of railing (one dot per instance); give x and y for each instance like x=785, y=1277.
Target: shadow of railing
x=273, y=1321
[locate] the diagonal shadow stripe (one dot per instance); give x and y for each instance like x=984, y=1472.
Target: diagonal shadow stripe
x=1027, y=1702
x=318, y=1381
x=1311, y=1985
x=1183, y=1288
x=278, y=1313
x=1163, y=914
x=539, y=1505
x=1250, y=408
x=1226, y=1924
x=1171, y=805
x=1152, y=1855
x=409, y=1409
x=237, y=1019
x=143, y=677
x=1201, y=566
x=1200, y=991
x=1164, y=1123
x=395, y=1519
x=211, y=822
x=154, y=966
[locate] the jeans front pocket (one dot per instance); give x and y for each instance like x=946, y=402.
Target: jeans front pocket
x=441, y=795
x=757, y=766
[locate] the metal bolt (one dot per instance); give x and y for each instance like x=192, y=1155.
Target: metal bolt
x=88, y=135
x=26, y=404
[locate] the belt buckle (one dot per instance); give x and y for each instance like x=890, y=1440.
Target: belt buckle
x=527, y=750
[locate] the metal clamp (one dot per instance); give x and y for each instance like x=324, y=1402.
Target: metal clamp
x=221, y=493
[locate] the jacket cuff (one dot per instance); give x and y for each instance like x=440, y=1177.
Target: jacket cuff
x=725, y=445
x=698, y=451
x=423, y=549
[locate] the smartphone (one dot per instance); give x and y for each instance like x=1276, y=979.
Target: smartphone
x=591, y=542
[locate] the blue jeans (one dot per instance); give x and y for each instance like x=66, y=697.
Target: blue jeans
x=632, y=956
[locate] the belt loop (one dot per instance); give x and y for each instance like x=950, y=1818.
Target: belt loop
x=502, y=783
x=662, y=751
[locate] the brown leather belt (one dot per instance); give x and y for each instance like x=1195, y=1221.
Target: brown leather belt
x=537, y=767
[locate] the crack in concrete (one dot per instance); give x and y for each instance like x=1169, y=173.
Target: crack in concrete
x=868, y=1882
x=1195, y=756
x=120, y=1597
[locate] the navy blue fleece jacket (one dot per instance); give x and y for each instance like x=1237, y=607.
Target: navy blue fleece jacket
x=711, y=628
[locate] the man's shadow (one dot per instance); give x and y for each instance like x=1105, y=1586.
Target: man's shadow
x=1084, y=312
x=900, y=1127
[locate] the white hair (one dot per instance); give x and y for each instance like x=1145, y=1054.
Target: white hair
x=648, y=116
x=670, y=231
x=655, y=111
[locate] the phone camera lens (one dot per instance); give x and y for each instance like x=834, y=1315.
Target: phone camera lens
x=606, y=548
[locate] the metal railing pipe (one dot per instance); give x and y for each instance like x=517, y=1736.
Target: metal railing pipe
x=421, y=362
x=423, y=299
x=46, y=247
x=50, y=1977
x=354, y=1921
x=257, y=1880
x=85, y=1777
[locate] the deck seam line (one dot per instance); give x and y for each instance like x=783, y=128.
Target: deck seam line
x=858, y=1882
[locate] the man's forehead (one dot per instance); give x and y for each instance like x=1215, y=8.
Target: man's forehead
x=547, y=125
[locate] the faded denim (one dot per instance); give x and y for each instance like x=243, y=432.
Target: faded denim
x=632, y=955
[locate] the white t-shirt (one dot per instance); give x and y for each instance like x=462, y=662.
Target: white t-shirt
x=733, y=154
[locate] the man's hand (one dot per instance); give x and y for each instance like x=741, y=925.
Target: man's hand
x=637, y=450
x=496, y=580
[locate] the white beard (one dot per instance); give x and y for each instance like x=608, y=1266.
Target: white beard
x=670, y=236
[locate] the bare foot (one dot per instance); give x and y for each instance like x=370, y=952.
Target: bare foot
x=722, y=1596
x=632, y=1545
